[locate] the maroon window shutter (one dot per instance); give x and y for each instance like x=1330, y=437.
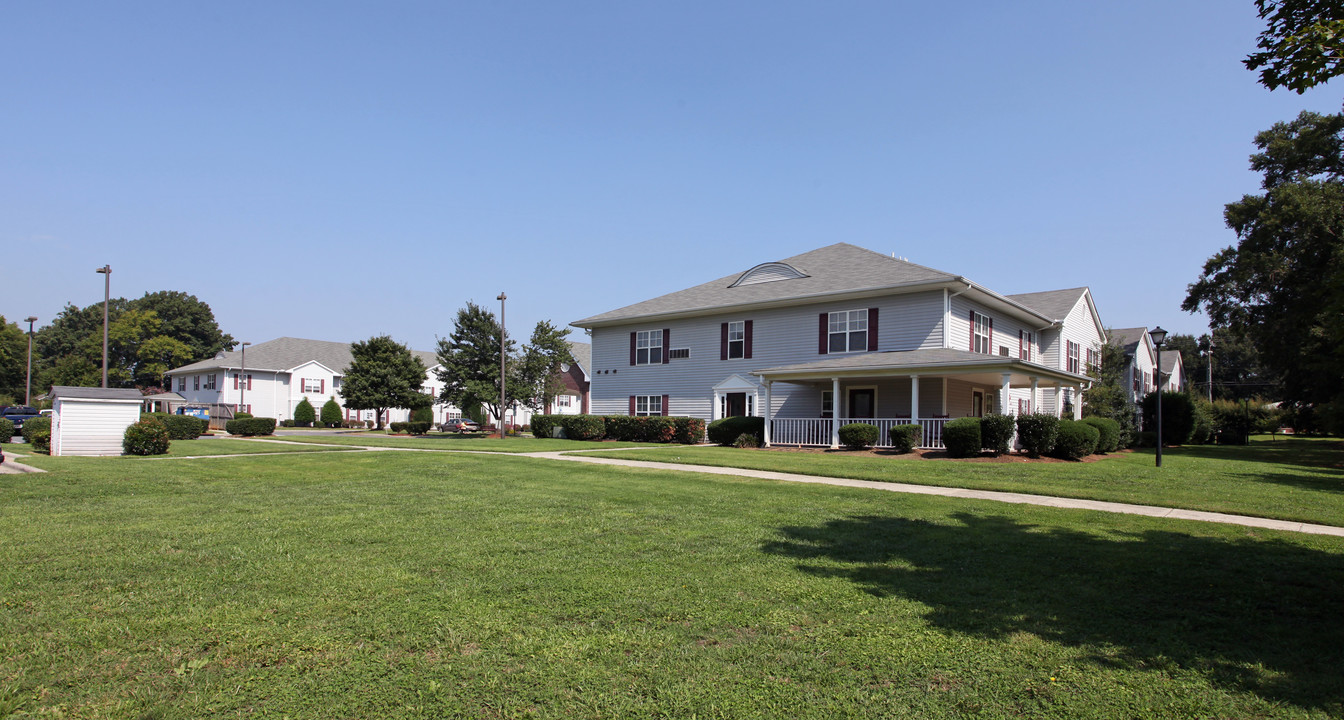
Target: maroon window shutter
x=235, y=381
x=632, y=351
x=723, y=341
x=322, y=387
x=972, y=331
x=249, y=381
x=872, y=329
x=823, y=331
x=664, y=404
x=667, y=345
x=303, y=383
x=746, y=340
x=632, y=405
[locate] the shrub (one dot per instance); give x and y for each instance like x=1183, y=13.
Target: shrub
x=996, y=432
x=304, y=414
x=962, y=437
x=585, y=427
x=1037, y=433
x=1108, y=430
x=424, y=414
x=688, y=430
x=250, y=426
x=747, y=440
x=1178, y=416
x=1145, y=439
x=1205, y=430
x=1235, y=421
x=1076, y=440
x=857, y=436
x=411, y=427
x=905, y=438
x=542, y=424
x=242, y=415
x=180, y=427
x=37, y=432
x=725, y=431
x=331, y=413
x=6, y=430
x=147, y=437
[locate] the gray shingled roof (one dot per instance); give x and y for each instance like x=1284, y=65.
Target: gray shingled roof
x=98, y=393
x=1169, y=359
x=1128, y=338
x=583, y=355
x=286, y=353
x=834, y=269
x=1054, y=304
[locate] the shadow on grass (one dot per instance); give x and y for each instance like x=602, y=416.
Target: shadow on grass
x=1324, y=454
x=1255, y=616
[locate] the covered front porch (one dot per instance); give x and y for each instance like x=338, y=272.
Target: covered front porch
x=924, y=387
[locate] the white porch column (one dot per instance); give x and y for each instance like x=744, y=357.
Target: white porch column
x=914, y=398
x=1003, y=393
x=767, y=413
x=835, y=412
x=718, y=403
x=1077, y=402
x=1035, y=395
x=1059, y=401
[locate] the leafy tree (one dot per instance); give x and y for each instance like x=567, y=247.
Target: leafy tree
x=1282, y=286
x=331, y=413
x=1109, y=395
x=187, y=319
x=469, y=357
x=304, y=414
x=383, y=374
x=1237, y=371
x=1302, y=47
x=13, y=361
x=539, y=366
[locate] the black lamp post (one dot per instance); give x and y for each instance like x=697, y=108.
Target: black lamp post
x=106, y=272
x=1159, y=337
x=502, y=297
x=28, y=393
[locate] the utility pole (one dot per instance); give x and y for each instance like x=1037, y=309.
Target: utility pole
x=502, y=297
x=106, y=272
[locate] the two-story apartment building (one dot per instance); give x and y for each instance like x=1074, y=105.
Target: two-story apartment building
x=843, y=334
x=1141, y=372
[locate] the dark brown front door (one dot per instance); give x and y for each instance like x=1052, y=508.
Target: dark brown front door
x=861, y=403
x=737, y=404
x=977, y=404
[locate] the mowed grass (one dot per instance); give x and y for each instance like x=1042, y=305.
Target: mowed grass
x=452, y=441
x=1295, y=479
x=204, y=446
x=435, y=585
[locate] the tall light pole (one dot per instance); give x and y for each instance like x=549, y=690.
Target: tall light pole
x=28, y=393
x=1210, y=367
x=1159, y=336
x=106, y=272
x=502, y=297
x=242, y=380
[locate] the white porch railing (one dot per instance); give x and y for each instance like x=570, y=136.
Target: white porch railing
x=817, y=431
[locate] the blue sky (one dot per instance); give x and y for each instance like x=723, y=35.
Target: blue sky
x=340, y=170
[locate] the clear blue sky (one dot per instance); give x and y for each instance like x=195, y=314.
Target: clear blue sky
x=339, y=170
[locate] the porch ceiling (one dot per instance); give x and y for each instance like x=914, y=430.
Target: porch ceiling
x=940, y=362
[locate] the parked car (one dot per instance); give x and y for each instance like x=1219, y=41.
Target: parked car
x=460, y=425
x=18, y=413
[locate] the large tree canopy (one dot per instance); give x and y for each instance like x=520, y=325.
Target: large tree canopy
x=539, y=366
x=1282, y=286
x=13, y=362
x=384, y=374
x=1303, y=45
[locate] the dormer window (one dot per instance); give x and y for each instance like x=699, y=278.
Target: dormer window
x=769, y=272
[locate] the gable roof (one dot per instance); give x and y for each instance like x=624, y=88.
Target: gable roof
x=583, y=355
x=1055, y=304
x=1129, y=338
x=286, y=353
x=837, y=269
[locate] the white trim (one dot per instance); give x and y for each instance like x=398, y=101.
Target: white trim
x=849, y=411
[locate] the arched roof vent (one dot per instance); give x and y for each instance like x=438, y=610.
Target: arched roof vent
x=769, y=272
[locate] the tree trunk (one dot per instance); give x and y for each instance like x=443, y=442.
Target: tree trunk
x=378, y=416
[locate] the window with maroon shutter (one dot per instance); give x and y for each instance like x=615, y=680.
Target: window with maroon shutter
x=723, y=341
x=322, y=388
x=982, y=333
x=235, y=381
x=736, y=346
x=632, y=405
x=648, y=347
x=648, y=404
x=249, y=382
x=667, y=345
x=847, y=331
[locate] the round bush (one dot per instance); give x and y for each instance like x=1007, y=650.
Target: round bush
x=857, y=436
x=424, y=414
x=905, y=438
x=1076, y=440
x=725, y=430
x=1037, y=433
x=996, y=432
x=304, y=414
x=331, y=414
x=1109, y=430
x=37, y=432
x=147, y=437
x=962, y=437
x=6, y=430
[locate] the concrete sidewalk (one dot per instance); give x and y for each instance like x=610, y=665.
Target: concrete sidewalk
x=1008, y=497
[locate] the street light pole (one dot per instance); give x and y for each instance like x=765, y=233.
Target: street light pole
x=106, y=272
x=502, y=297
x=1159, y=337
x=1210, y=367
x=28, y=393
x=242, y=380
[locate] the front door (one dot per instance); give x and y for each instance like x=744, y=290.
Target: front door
x=737, y=405
x=861, y=403
x=977, y=404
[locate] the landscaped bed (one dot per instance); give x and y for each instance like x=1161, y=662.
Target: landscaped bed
x=437, y=585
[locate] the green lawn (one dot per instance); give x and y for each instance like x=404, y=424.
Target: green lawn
x=445, y=441
x=178, y=448
x=1297, y=479
x=446, y=585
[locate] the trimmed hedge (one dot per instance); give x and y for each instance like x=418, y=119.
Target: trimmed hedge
x=1109, y=440
x=242, y=416
x=6, y=430
x=147, y=437
x=414, y=427
x=180, y=427
x=250, y=426
x=628, y=428
x=996, y=432
x=905, y=438
x=37, y=432
x=585, y=427
x=1037, y=433
x=857, y=436
x=724, y=431
x=962, y=437
x=1076, y=440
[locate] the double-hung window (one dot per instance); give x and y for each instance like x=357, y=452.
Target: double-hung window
x=649, y=347
x=982, y=332
x=195, y=382
x=827, y=404
x=648, y=404
x=1025, y=340
x=182, y=383
x=209, y=382
x=311, y=385
x=848, y=331
x=1073, y=348
x=737, y=339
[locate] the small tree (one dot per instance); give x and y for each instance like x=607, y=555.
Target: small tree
x=304, y=414
x=539, y=367
x=331, y=413
x=469, y=363
x=383, y=374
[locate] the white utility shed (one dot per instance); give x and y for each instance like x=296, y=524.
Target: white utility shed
x=91, y=421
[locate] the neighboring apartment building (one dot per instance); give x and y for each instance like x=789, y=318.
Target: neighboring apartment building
x=1141, y=376
x=575, y=397
x=843, y=334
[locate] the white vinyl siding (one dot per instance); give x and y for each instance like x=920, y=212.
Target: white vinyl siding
x=91, y=427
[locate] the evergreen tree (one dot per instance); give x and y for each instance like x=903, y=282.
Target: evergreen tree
x=383, y=374
x=331, y=413
x=304, y=414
